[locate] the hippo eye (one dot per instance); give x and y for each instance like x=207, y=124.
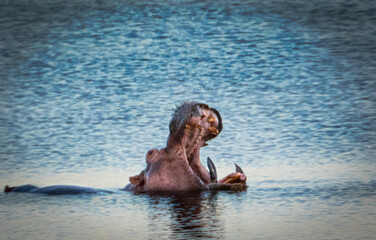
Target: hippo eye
x=150, y=152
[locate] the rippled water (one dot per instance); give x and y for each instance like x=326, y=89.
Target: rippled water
x=87, y=87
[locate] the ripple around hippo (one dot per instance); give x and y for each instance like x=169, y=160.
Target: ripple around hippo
x=177, y=167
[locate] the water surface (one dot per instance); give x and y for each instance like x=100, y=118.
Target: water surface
x=87, y=87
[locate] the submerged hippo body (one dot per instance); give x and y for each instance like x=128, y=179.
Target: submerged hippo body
x=55, y=189
x=177, y=167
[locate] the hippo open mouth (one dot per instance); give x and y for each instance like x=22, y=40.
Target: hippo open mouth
x=178, y=167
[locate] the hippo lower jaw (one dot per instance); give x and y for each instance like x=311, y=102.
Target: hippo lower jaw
x=234, y=181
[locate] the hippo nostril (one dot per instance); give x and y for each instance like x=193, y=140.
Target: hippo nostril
x=150, y=152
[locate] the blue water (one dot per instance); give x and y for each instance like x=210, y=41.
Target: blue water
x=87, y=87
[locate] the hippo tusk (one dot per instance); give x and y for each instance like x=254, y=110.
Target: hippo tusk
x=212, y=170
x=238, y=169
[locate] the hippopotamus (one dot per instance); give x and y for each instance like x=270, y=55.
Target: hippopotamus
x=175, y=168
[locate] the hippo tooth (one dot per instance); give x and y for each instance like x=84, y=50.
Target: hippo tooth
x=212, y=170
x=238, y=169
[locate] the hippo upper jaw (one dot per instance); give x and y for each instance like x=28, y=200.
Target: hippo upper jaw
x=204, y=125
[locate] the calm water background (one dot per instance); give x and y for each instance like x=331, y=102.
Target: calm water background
x=87, y=87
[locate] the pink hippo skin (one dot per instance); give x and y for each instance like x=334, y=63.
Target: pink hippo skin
x=177, y=167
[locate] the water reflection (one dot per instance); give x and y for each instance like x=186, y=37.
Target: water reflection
x=194, y=215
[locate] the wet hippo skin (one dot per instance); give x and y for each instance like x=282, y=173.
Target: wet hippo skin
x=177, y=167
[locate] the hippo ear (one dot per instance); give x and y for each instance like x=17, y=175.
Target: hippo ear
x=212, y=170
x=138, y=179
x=135, y=180
x=8, y=189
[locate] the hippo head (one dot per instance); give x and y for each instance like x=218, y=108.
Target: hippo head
x=177, y=167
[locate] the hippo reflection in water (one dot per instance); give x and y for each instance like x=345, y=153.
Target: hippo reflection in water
x=177, y=167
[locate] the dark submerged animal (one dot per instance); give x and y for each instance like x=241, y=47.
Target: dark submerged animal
x=55, y=189
x=177, y=167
